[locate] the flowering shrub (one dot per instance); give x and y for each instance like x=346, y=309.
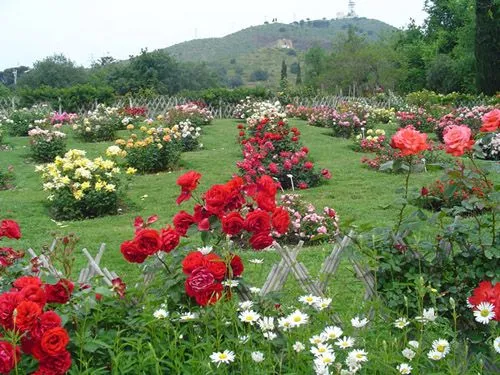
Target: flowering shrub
x=470, y=117
x=258, y=108
x=378, y=116
x=488, y=147
x=132, y=115
x=418, y=118
x=375, y=140
x=46, y=144
x=346, y=124
x=59, y=119
x=193, y=112
x=300, y=112
x=274, y=149
x=79, y=187
x=306, y=223
x=152, y=148
x=20, y=120
x=189, y=135
x=99, y=125
x=322, y=116
x=6, y=177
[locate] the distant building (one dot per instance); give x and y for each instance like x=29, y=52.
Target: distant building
x=284, y=43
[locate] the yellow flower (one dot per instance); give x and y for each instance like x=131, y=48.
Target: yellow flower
x=65, y=180
x=130, y=127
x=78, y=194
x=99, y=185
x=110, y=187
x=159, y=117
x=131, y=170
x=160, y=146
x=144, y=129
x=85, y=185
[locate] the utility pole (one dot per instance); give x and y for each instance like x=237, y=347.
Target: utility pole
x=14, y=72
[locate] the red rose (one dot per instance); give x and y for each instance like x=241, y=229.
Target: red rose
x=326, y=173
x=216, y=198
x=182, y=221
x=258, y=221
x=409, y=141
x=8, y=255
x=55, y=365
x=215, y=265
x=24, y=281
x=265, y=201
x=10, y=229
x=424, y=191
x=8, y=303
x=268, y=185
x=210, y=296
x=119, y=287
x=148, y=241
x=281, y=220
x=9, y=356
x=303, y=185
x=192, y=261
x=457, y=139
x=261, y=240
x=199, y=282
x=132, y=253
x=60, y=292
x=188, y=182
x=236, y=266
x=308, y=165
x=273, y=168
x=169, y=239
x=232, y=223
x=35, y=294
x=26, y=314
x=47, y=320
x=54, y=341
x=491, y=121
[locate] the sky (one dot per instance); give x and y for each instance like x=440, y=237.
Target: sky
x=85, y=30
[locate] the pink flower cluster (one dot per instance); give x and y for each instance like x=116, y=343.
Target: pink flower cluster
x=300, y=112
x=470, y=117
x=419, y=119
x=58, y=119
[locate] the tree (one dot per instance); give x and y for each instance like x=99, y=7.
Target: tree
x=298, y=80
x=283, y=70
x=54, y=71
x=259, y=75
x=487, y=46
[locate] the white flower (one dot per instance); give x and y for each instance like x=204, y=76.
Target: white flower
x=322, y=303
x=160, y=314
x=298, y=318
x=309, y=299
x=321, y=349
x=243, y=339
x=205, y=250
x=484, y=312
x=345, y=342
x=249, y=316
x=404, y=368
x=442, y=346
x=222, y=357
x=414, y=344
x=256, y=261
x=285, y=323
x=266, y=323
x=270, y=335
x=401, y=323
x=298, y=346
x=357, y=356
x=408, y=353
x=257, y=356
x=318, y=339
x=435, y=355
x=332, y=333
x=428, y=316
x=231, y=283
x=188, y=316
x=326, y=358
x=496, y=344
x=254, y=290
x=357, y=323
x=246, y=305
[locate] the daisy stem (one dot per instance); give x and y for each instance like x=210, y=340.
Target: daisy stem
x=405, y=203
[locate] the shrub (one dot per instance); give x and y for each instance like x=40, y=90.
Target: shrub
x=419, y=119
x=374, y=140
x=189, y=136
x=6, y=177
x=152, y=147
x=21, y=120
x=259, y=75
x=81, y=188
x=471, y=117
x=193, y=112
x=99, y=125
x=488, y=147
x=59, y=119
x=46, y=144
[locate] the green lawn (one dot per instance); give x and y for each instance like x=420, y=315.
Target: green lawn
x=358, y=194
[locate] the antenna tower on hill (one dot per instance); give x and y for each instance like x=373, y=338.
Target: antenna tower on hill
x=351, y=13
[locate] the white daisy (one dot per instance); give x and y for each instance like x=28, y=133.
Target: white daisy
x=428, y=315
x=254, y=290
x=205, y=250
x=435, y=355
x=184, y=317
x=246, y=305
x=309, y=299
x=408, y=353
x=484, y=312
x=320, y=369
x=404, y=368
x=257, y=356
x=249, y=316
x=322, y=303
x=357, y=356
x=359, y=323
x=270, y=335
x=222, y=357
x=345, y=342
x=256, y=261
x=298, y=318
x=243, y=339
x=298, y=346
x=414, y=344
x=266, y=323
x=332, y=333
x=401, y=323
x=317, y=339
x=442, y=346
x=231, y=283
x=326, y=359
x=285, y=323
x=160, y=314
x=321, y=349
x=496, y=344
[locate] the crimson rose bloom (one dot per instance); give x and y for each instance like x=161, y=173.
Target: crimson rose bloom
x=261, y=240
x=132, y=253
x=148, y=240
x=237, y=266
x=258, y=221
x=188, y=182
x=169, y=239
x=35, y=294
x=23, y=281
x=215, y=265
x=281, y=220
x=8, y=303
x=191, y=262
x=60, y=292
x=54, y=365
x=409, y=141
x=9, y=356
x=232, y=223
x=54, y=341
x=47, y=320
x=216, y=198
x=199, y=282
x=491, y=121
x=212, y=295
x=10, y=229
x=182, y=221
x=26, y=314
x=457, y=139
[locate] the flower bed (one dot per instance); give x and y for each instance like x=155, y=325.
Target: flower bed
x=20, y=121
x=194, y=112
x=57, y=120
x=99, y=125
x=46, y=144
x=470, y=117
x=375, y=140
x=419, y=119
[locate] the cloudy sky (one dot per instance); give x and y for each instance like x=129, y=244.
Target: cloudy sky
x=84, y=30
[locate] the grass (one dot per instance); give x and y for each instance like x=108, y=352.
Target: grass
x=359, y=195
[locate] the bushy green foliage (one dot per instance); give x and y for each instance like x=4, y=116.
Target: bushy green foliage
x=46, y=144
x=216, y=95
x=21, y=120
x=6, y=177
